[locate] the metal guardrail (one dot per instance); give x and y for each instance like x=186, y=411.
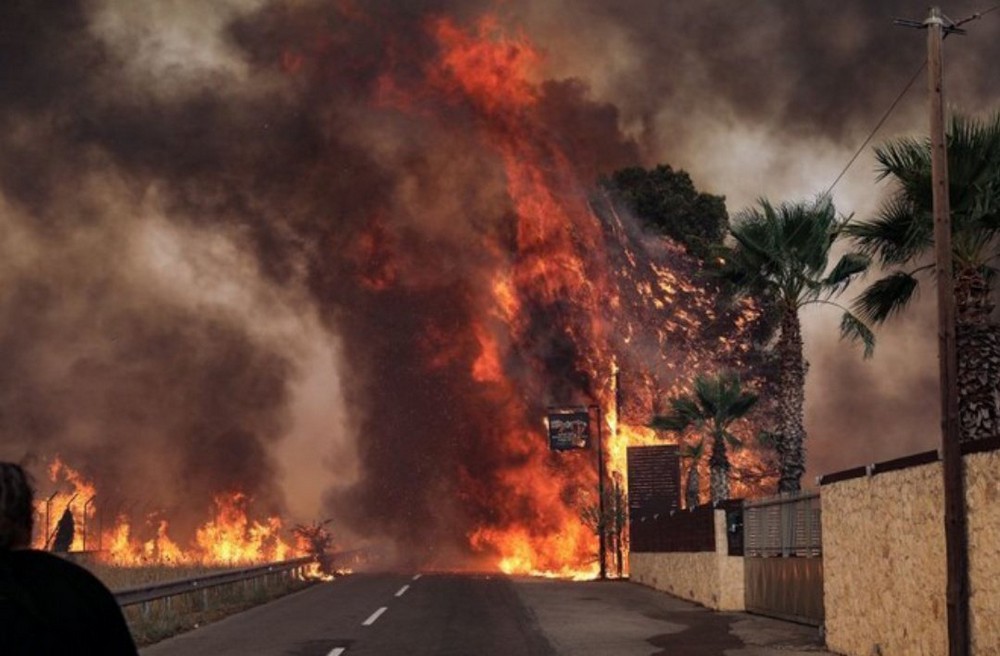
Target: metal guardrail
x=144, y=594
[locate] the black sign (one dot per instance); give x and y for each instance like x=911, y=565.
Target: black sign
x=569, y=429
x=654, y=475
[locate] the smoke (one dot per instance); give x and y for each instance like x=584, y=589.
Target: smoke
x=242, y=241
x=141, y=341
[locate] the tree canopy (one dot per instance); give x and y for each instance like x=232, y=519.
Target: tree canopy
x=666, y=201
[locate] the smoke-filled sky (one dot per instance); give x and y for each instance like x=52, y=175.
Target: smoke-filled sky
x=232, y=237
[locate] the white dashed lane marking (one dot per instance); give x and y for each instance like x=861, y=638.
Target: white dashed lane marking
x=402, y=590
x=416, y=577
x=374, y=616
x=337, y=651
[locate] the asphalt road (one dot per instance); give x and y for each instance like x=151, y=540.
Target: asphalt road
x=456, y=615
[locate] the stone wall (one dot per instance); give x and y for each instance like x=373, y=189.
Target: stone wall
x=711, y=578
x=982, y=478
x=884, y=560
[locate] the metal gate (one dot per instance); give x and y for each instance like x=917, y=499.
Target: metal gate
x=784, y=557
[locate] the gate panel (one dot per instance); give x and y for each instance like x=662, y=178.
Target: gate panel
x=787, y=588
x=783, y=565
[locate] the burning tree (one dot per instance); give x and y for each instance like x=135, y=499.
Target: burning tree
x=315, y=539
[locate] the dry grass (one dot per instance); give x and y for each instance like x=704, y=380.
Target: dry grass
x=123, y=578
x=160, y=619
x=164, y=618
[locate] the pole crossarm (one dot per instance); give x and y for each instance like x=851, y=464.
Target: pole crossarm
x=946, y=24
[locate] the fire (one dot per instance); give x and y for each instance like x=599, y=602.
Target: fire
x=609, y=301
x=570, y=293
x=486, y=66
x=232, y=537
x=229, y=536
x=77, y=500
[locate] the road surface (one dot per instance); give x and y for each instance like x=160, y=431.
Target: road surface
x=465, y=615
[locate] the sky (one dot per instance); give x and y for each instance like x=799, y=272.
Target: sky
x=184, y=185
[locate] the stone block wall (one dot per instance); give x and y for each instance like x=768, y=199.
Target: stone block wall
x=711, y=578
x=982, y=480
x=885, y=567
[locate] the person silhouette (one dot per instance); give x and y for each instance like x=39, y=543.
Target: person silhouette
x=65, y=530
x=49, y=605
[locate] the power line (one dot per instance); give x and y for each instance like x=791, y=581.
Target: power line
x=976, y=16
x=953, y=27
x=878, y=125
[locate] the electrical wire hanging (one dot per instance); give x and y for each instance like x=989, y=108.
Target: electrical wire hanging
x=878, y=125
x=976, y=16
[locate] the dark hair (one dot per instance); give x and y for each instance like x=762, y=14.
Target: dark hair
x=16, y=512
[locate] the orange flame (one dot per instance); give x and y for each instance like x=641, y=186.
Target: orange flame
x=230, y=536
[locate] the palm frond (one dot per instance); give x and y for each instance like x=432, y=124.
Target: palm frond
x=886, y=297
x=732, y=440
x=707, y=391
x=717, y=401
x=903, y=229
x=695, y=450
x=855, y=330
x=899, y=232
x=908, y=161
x=684, y=413
x=743, y=404
x=812, y=228
x=785, y=248
x=847, y=268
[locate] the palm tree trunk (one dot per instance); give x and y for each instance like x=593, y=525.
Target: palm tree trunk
x=978, y=350
x=791, y=403
x=691, y=491
x=719, y=469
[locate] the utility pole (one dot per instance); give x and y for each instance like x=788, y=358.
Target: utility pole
x=956, y=539
x=619, y=530
x=601, y=523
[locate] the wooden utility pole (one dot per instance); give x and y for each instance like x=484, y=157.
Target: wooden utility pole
x=602, y=529
x=955, y=520
x=956, y=541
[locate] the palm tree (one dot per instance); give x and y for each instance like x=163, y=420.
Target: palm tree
x=693, y=452
x=901, y=236
x=781, y=256
x=716, y=403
